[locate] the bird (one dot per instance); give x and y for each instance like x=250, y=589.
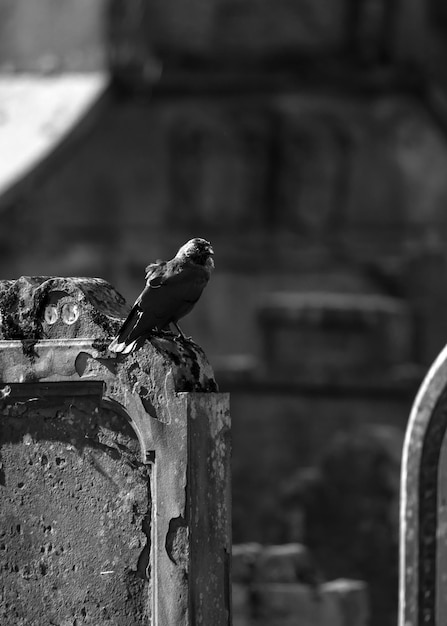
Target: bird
x=172, y=289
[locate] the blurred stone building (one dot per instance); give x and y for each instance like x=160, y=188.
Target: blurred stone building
x=304, y=138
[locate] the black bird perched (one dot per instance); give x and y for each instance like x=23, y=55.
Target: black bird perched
x=172, y=289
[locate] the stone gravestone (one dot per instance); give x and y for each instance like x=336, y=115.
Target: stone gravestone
x=423, y=523
x=114, y=471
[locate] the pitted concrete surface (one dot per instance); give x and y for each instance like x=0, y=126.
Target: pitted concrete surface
x=114, y=482
x=75, y=516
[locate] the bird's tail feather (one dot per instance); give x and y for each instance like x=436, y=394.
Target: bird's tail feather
x=122, y=347
x=121, y=343
x=115, y=346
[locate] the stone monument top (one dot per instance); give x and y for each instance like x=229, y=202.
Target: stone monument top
x=45, y=319
x=123, y=459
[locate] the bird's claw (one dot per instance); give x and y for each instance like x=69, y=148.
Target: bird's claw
x=182, y=338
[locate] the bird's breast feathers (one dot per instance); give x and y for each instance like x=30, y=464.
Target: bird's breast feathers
x=172, y=283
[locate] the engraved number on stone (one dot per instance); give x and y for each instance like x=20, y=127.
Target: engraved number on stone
x=51, y=314
x=70, y=312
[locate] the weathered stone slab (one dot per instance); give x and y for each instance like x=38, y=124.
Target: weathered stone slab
x=279, y=585
x=100, y=439
x=423, y=554
x=287, y=563
x=350, y=599
x=310, y=333
x=245, y=556
x=282, y=604
x=75, y=508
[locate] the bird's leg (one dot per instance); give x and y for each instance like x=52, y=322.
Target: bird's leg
x=181, y=334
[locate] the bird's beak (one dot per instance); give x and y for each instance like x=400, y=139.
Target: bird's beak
x=210, y=250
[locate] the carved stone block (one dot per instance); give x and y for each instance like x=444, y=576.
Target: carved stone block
x=114, y=483
x=423, y=518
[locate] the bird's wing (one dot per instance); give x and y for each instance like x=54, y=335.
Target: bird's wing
x=172, y=289
x=128, y=326
x=169, y=290
x=131, y=328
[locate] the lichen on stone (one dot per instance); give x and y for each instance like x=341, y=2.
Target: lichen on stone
x=23, y=302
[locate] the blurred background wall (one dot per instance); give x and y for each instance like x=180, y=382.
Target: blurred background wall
x=307, y=140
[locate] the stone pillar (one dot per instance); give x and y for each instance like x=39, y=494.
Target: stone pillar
x=423, y=517
x=114, y=471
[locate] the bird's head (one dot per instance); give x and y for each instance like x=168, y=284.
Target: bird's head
x=197, y=250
